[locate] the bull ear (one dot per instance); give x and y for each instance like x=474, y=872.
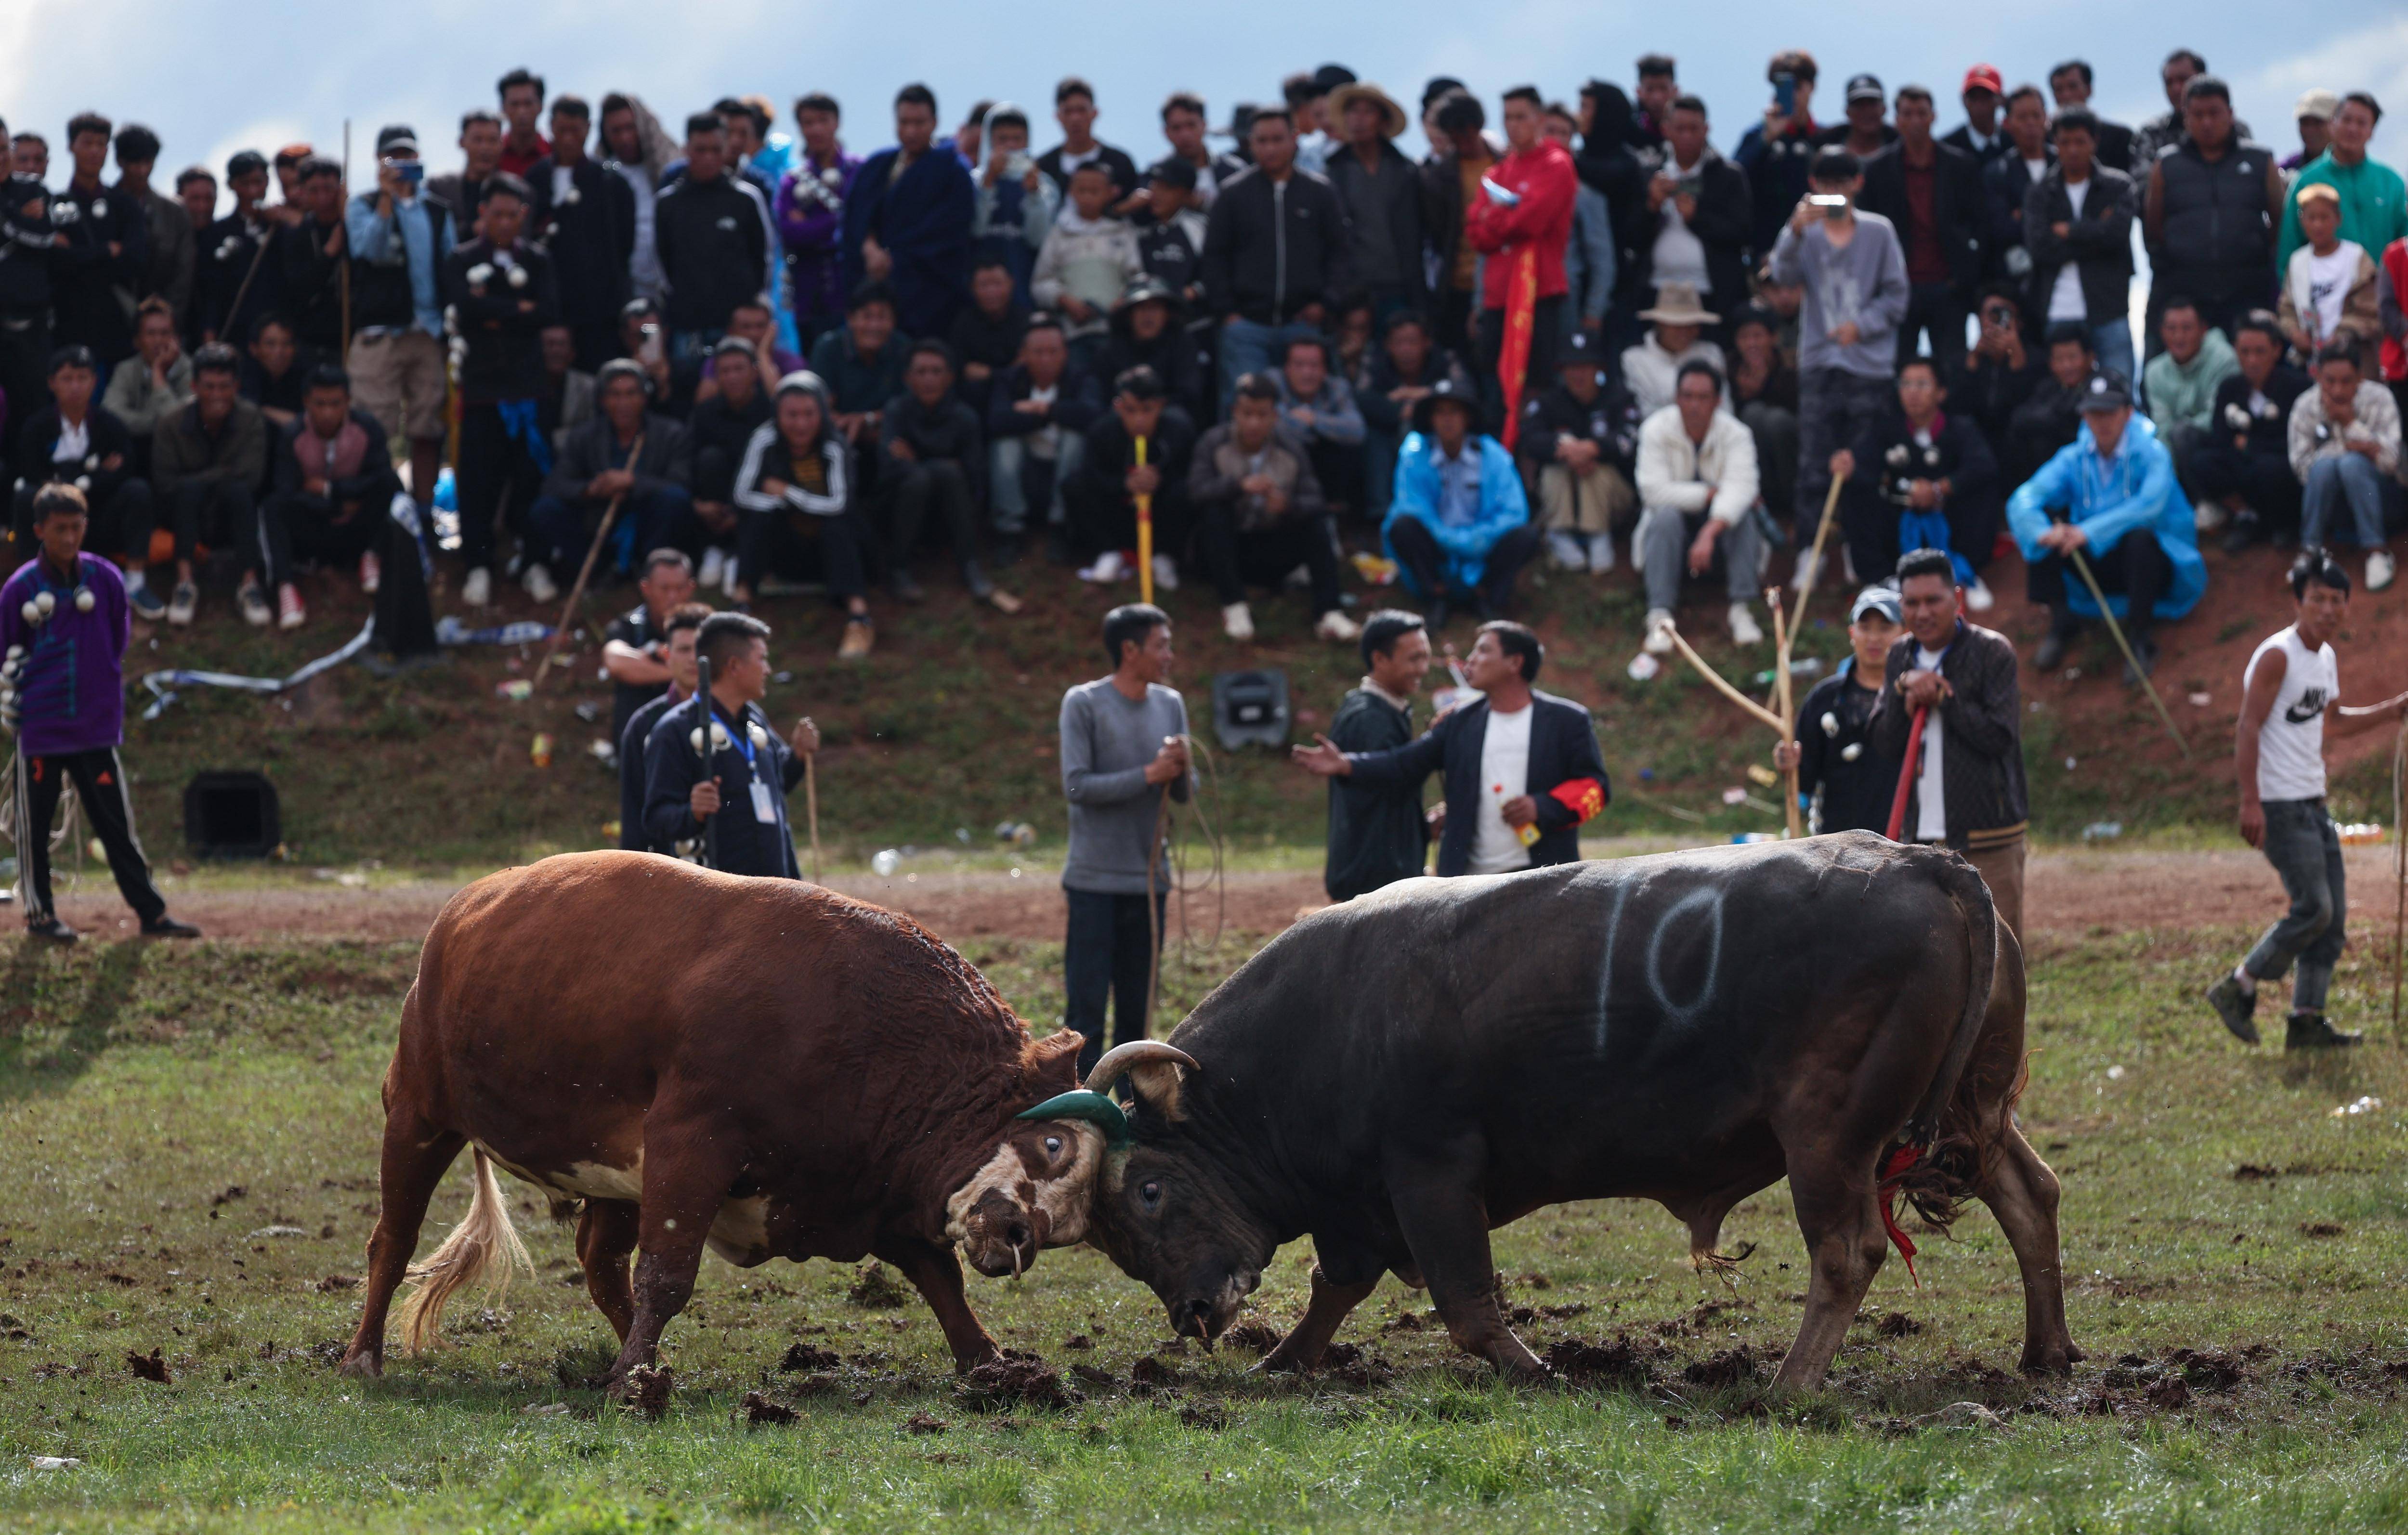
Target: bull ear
x=1152, y=1068
x=1095, y=1108
x=1051, y=1065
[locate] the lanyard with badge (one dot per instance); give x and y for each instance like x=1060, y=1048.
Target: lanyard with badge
x=764, y=805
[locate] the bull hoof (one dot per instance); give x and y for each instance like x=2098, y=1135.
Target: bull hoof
x=362, y=1364
x=964, y=1363
x=1283, y=1361
x=2056, y=1360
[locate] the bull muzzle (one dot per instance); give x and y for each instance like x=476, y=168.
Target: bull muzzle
x=1207, y=1309
x=1001, y=1237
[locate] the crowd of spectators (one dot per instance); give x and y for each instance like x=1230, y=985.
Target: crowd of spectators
x=1568, y=325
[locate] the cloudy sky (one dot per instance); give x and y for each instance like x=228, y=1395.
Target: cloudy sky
x=214, y=76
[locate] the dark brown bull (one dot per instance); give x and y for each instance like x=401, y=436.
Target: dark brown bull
x=756, y=1065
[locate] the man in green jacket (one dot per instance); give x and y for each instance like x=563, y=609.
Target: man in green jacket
x=2180, y=382
x=2373, y=199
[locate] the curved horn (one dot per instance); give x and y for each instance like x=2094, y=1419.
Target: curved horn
x=1135, y=1052
x=1095, y=1108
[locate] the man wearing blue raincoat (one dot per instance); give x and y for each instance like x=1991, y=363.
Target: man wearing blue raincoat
x=1459, y=522
x=2111, y=498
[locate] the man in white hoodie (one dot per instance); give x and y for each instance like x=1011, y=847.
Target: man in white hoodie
x=1089, y=259
x=1698, y=481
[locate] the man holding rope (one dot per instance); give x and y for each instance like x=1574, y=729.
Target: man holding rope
x=2292, y=689
x=1123, y=750
x=63, y=627
x=1953, y=685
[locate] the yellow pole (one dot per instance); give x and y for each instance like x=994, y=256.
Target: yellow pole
x=1145, y=536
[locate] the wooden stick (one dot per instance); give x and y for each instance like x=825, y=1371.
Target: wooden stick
x=811, y=805
x=2398, y=866
x=2126, y=646
x=1782, y=634
x=1734, y=694
x=1813, y=570
x=586, y=571
x=1145, y=536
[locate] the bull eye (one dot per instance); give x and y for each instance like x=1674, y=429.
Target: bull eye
x=1151, y=1193
x=1053, y=1145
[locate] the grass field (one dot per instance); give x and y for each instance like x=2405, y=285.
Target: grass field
x=189, y=1139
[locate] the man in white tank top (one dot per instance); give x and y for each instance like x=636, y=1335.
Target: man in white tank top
x=2292, y=689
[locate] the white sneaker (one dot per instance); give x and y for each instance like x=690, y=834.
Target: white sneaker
x=1659, y=632
x=1336, y=627
x=181, y=603
x=2380, y=569
x=1801, y=574
x=290, y=612
x=1568, y=552
x=255, y=610
x=733, y=578
x=1166, y=573
x=1848, y=564
x=539, y=583
x=1238, y=622
x=1743, y=627
x=1979, y=597
x=714, y=567
x=1300, y=578
x=1601, y=552
x=1107, y=568
x=2208, y=516
x=478, y=590
x=371, y=573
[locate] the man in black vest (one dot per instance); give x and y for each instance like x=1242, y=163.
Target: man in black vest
x=1377, y=832
x=2214, y=205
x=1522, y=767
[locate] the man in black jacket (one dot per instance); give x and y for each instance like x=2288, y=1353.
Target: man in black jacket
x=1522, y=767
x=1148, y=331
x=751, y=770
x=334, y=480
x=27, y=238
x=104, y=245
x=2009, y=180
x=502, y=296
x=74, y=441
x=1981, y=135
x=1162, y=220
x=1932, y=192
x=1101, y=497
x=2244, y=463
x=1037, y=418
x=1380, y=192
x=233, y=252
x=1275, y=259
x=2070, y=84
x=169, y=273
x=1852, y=783
x=1074, y=109
x=2051, y=415
x=1580, y=443
x=1969, y=786
x=935, y=454
x=1461, y=156
x=1378, y=834
x=463, y=192
x=721, y=426
x=2078, y=226
x=584, y=216
x=1919, y=478
x=311, y=253
x=1406, y=365
x=713, y=235
x=2000, y=371
x=1692, y=226
x=628, y=454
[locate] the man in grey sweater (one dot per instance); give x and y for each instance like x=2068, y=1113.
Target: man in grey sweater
x=1123, y=750
x=1854, y=272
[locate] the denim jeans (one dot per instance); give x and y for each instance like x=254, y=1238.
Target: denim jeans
x=1008, y=461
x=2111, y=340
x=2305, y=849
x=2343, y=486
x=1248, y=346
x=1108, y=954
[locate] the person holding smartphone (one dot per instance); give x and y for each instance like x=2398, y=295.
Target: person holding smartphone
x=397, y=240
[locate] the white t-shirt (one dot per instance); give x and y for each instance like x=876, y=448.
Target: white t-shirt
x=1504, y=774
x=2291, y=744
x=1679, y=256
x=2065, y=301
x=1931, y=791
x=2328, y=279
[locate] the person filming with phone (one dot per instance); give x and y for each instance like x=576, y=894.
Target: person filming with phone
x=398, y=240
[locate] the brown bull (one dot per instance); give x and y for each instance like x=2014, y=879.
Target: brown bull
x=757, y=1065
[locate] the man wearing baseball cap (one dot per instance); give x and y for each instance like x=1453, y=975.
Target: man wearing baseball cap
x=1980, y=135
x=1837, y=762
x=2112, y=496
x=1864, y=132
x=2314, y=115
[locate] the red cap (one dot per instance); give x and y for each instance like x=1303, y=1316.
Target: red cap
x=1984, y=77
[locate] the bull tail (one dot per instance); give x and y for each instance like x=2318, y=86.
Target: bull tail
x=465, y=1258
x=1937, y=1161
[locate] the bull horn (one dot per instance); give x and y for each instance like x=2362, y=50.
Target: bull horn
x=1121, y=1057
x=1095, y=1108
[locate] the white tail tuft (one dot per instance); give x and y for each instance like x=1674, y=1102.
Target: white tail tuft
x=463, y=1259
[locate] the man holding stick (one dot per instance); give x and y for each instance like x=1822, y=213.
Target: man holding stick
x=1953, y=685
x=2291, y=690
x=751, y=771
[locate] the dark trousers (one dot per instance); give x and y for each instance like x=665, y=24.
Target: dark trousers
x=1417, y=549
x=2305, y=849
x=100, y=784
x=218, y=514
x=714, y=473
x=558, y=531
x=1340, y=467
x=1546, y=340
x=801, y=548
x=1936, y=309
x=301, y=527
x=25, y=359
x=1106, y=517
x=1109, y=953
x=597, y=341
x=914, y=490
x=2136, y=569
x=1455, y=307
x=1834, y=408
x=121, y=524
x=1265, y=555
x=491, y=462
x=2263, y=481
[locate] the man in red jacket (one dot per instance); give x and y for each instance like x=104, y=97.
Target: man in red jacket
x=1520, y=224
x=2393, y=283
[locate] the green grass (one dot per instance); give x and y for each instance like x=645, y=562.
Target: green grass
x=139, y=1085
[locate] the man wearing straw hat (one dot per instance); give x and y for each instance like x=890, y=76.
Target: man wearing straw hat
x=1380, y=192
x=1651, y=369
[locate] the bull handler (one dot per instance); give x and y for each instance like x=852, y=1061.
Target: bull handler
x=1522, y=768
x=63, y=627
x=2292, y=696
x=678, y=632
x=752, y=771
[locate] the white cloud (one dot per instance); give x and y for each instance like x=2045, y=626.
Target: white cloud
x=2374, y=60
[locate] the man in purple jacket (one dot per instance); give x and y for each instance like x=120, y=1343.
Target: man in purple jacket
x=810, y=218
x=63, y=625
